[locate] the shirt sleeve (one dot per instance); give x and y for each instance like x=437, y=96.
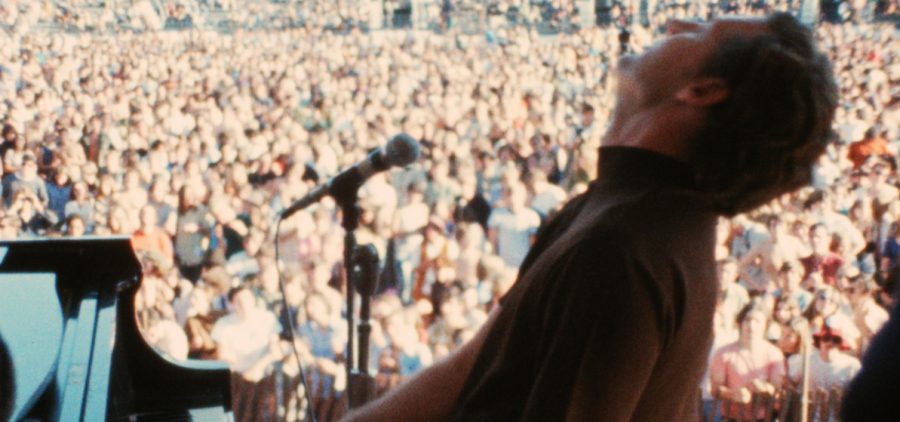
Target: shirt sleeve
x=718, y=371
x=776, y=367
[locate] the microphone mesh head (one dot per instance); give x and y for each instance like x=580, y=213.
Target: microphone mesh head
x=401, y=150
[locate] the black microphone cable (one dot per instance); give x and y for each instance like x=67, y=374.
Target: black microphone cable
x=292, y=328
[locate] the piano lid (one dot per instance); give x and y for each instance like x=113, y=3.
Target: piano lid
x=106, y=259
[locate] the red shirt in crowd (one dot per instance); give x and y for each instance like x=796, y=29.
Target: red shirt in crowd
x=828, y=265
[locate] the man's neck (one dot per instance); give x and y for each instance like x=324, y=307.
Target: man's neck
x=753, y=344
x=666, y=129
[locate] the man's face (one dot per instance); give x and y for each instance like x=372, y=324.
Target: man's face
x=820, y=240
x=754, y=324
x=243, y=303
x=678, y=58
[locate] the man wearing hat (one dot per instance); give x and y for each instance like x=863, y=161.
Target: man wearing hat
x=830, y=366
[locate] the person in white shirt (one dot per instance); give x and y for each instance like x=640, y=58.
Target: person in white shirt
x=247, y=338
x=829, y=365
x=512, y=229
x=548, y=197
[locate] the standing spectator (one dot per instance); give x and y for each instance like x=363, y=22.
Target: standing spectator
x=436, y=269
x=59, y=190
x=511, y=229
x=750, y=366
x=75, y=226
x=790, y=276
x=324, y=339
x=32, y=217
x=822, y=265
x=785, y=310
x=548, y=197
x=150, y=237
x=830, y=366
x=228, y=232
x=247, y=339
x=192, y=233
x=733, y=295
x=81, y=204
x=762, y=263
x=828, y=309
x=868, y=315
x=160, y=199
x=201, y=319
x=408, y=223
x=27, y=178
x=14, y=154
x=822, y=211
x=873, y=144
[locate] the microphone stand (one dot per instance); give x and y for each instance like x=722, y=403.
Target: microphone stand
x=359, y=388
x=365, y=279
x=349, y=221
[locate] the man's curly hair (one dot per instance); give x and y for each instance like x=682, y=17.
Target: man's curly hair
x=763, y=140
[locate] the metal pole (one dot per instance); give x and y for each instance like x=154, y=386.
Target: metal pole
x=350, y=211
x=365, y=279
x=804, y=386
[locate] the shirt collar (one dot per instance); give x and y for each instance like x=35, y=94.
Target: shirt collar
x=642, y=167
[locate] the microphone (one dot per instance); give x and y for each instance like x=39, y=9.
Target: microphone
x=401, y=150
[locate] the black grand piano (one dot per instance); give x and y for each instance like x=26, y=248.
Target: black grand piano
x=68, y=327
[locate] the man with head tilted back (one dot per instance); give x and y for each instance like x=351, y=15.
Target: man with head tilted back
x=611, y=316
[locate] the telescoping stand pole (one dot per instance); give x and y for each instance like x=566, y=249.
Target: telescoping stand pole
x=365, y=278
x=350, y=221
x=360, y=269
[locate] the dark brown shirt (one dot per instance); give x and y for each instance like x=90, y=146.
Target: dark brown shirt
x=611, y=317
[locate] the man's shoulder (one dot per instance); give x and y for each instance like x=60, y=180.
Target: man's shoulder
x=664, y=206
x=681, y=214
x=845, y=360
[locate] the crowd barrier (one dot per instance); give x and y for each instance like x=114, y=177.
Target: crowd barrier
x=280, y=397
x=784, y=406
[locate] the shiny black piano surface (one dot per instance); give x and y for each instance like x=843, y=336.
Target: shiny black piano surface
x=68, y=321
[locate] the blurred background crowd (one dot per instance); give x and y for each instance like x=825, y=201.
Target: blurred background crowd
x=189, y=126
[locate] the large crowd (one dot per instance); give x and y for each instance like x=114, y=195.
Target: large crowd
x=192, y=143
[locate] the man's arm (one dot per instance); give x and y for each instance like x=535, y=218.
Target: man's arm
x=431, y=393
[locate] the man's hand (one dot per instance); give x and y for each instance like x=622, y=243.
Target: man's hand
x=742, y=395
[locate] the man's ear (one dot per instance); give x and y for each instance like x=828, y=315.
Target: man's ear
x=703, y=92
